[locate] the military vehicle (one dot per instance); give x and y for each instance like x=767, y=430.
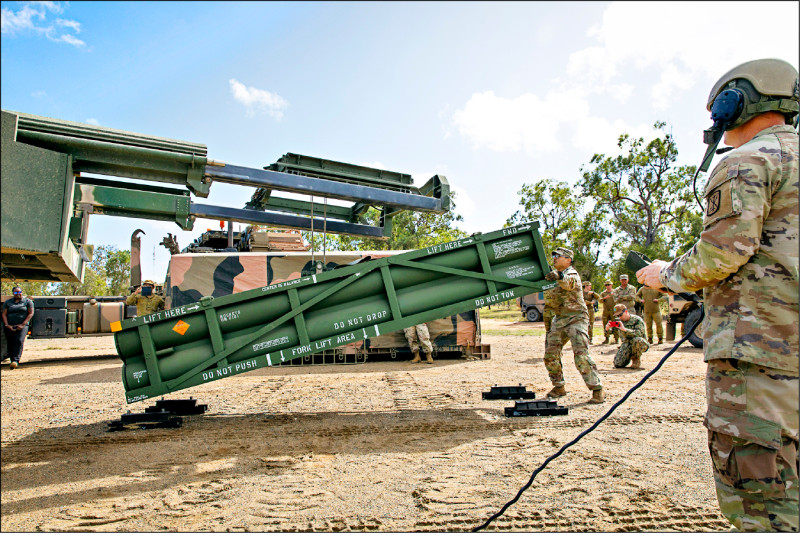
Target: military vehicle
x=532, y=306
x=686, y=312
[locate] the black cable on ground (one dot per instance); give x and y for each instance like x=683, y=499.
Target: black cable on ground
x=527, y=485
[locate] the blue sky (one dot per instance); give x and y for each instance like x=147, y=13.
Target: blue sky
x=492, y=95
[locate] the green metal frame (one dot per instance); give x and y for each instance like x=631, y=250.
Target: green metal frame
x=218, y=366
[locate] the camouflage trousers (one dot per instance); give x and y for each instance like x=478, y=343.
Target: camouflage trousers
x=650, y=317
x=590, y=329
x=547, y=318
x=418, y=336
x=752, y=422
x=609, y=315
x=562, y=330
x=634, y=347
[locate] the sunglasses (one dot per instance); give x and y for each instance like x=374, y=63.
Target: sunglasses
x=17, y=292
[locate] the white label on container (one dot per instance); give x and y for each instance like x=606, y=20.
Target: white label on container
x=502, y=249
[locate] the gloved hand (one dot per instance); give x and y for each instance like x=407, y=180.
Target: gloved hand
x=553, y=275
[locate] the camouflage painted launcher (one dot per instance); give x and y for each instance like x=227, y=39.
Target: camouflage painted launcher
x=221, y=337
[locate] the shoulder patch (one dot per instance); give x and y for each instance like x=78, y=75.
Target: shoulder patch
x=722, y=196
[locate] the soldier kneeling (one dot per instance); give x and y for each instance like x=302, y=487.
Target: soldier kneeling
x=634, y=337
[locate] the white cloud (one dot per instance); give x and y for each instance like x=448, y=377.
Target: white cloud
x=93, y=121
x=683, y=40
x=75, y=25
x=32, y=17
x=69, y=39
x=39, y=94
x=654, y=51
x=600, y=135
x=11, y=22
x=258, y=100
x=465, y=206
x=526, y=122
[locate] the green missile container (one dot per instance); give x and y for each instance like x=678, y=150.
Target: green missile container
x=218, y=337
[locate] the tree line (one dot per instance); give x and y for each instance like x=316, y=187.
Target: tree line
x=108, y=274
x=639, y=200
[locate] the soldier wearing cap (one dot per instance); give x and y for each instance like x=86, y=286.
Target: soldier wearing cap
x=651, y=311
x=625, y=294
x=145, y=300
x=590, y=298
x=746, y=262
x=631, y=329
x=607, y=299
x=570, y=321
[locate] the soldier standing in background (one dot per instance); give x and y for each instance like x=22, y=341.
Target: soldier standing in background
x=607, y=299
x=419, y=337
x=570, y=320
x=145, y=300
x=590, y=298
x=650, y=299
x=626, y=294
x=746, y=262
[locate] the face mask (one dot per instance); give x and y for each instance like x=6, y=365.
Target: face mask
x=147, y=291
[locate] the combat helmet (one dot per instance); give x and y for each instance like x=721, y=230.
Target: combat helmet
x=765, y=85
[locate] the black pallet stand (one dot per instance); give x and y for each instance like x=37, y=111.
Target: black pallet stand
x=164, y=414
x=536, y=408
x=508, y=393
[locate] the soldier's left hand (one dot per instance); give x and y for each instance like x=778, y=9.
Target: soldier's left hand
x=649, y=274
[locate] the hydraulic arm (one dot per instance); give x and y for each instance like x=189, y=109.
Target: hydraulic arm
x=45, y=167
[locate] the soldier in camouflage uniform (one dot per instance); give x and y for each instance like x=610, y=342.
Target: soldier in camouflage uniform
x=650, y=299
x=146, y=303
x=590, y=298
x=417, y=337
x=625, y=294
x=570, y=319
x=632, y=331
x=607, y=299
x=746, y=262
x=547, y=313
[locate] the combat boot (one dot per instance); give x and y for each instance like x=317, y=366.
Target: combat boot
x=636, y=361
x=659, y=341
x=557, y=392
x=650, y=340
x=416, y=357
x=429, y=358
x=607, y=341
x=598, y=396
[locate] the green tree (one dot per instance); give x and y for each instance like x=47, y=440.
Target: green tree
x=118, y=272
x=644, y=190
x=108, y=274
x=29, y=288
x=562, y=222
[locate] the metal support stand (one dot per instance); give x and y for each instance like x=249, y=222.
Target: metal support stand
x=536, y=408
x=509, y=393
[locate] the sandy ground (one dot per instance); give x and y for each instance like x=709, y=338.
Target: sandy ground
x=382, y=446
